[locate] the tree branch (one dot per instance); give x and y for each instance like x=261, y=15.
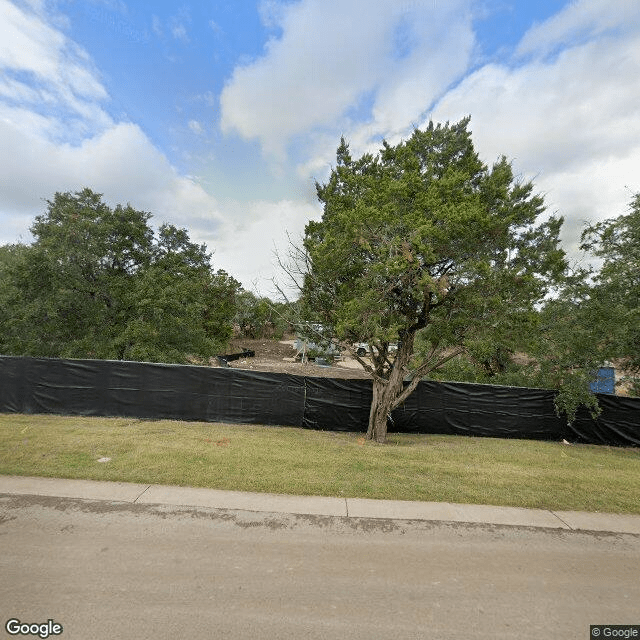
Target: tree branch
x=418, y=375
x=367, y=367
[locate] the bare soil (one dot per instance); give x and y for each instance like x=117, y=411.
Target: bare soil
x=278, y=356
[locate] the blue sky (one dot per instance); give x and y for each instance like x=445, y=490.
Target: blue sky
x=220, y=116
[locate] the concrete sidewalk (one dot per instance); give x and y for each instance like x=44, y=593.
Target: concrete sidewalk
x=316, y=505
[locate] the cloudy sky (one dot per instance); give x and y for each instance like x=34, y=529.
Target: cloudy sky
x=219, y=116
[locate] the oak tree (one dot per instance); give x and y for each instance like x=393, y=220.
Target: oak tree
x=99, y=282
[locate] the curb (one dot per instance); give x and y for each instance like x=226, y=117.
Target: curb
x=322, y=506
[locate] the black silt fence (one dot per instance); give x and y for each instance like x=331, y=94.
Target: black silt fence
x=163, y=391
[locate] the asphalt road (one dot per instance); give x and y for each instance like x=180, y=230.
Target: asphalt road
x=110, y=570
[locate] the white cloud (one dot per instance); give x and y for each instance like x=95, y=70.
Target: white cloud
x=599, y=188
x=566, y=108
x=42, y=153
x=43, y=73
x=331, y=55
x=570, y=122
x=247, y=242
x=443, y=44
x=178, y=24
x=196, y=127
x=121, y=163
x=210, y=99
x=179, y=32
x=556, y=113
x=28, y=44
x=156, y=26
x=579, y=21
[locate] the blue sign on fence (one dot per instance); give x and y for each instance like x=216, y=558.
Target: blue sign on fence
x=605, y=381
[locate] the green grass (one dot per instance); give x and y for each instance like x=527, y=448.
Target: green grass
x=520, y=473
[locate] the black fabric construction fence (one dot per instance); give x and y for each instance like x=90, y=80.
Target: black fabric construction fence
x=165, y=391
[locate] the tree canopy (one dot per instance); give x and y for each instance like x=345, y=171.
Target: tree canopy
x=259, y=317
x=98, y=282
x=592, y=320
x=423, y=239
x=613, y=300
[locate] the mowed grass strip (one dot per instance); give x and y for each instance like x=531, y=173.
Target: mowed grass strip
x=459, y=469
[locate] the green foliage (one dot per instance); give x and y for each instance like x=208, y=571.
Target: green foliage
x=425, y=235
x=425, y=238
x=593, y=320
x=320, y=352
x=10, y=257
x=98, y=283
x=260, y=317
x=614, y=298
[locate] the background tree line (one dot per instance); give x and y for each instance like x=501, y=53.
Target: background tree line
x=259, y=317
x=99, y=282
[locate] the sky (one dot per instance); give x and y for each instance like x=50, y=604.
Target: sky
x=219, y=117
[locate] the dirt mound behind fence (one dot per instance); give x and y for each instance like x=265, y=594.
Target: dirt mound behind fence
x=278, y=356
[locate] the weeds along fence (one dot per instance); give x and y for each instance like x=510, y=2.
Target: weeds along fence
x=183, y=392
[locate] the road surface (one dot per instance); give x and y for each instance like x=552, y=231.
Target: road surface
x=112, y=570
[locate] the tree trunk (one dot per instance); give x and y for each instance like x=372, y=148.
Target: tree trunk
x=380, y=410
x=387, y=392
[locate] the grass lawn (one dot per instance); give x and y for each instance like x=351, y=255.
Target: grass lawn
x=521, y=473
